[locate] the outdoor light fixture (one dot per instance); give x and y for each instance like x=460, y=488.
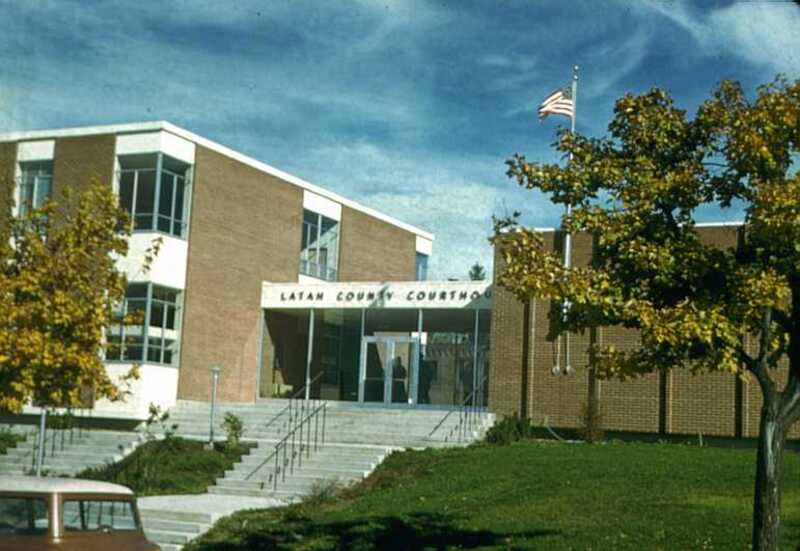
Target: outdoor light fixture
x=556, y=370
x=568, y=370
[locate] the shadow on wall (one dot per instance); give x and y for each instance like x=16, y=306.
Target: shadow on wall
x=416, y=531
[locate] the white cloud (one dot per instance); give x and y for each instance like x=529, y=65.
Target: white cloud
x=764, y=33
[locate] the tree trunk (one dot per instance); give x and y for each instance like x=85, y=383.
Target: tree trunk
x=769, y=471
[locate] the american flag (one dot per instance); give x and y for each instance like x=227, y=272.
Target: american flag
x=558, y=102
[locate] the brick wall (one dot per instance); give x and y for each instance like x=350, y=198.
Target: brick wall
x=8, y=159
x=374, y=250
x=245, y=228
x=505, y=353
x=674, y=402
x=78, y=160
x=557, y=399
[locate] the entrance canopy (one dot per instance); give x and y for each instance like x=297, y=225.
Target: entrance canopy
x=388, y=295
x=407, y=343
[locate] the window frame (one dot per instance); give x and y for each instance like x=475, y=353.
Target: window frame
x=145, y=327
x=329, y=270
x=43, y=170
x=421, y=266
x=155, y=215
x=81, y=500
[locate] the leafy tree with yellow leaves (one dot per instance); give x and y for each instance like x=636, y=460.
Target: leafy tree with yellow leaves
x=59, y=286
x=696, y=306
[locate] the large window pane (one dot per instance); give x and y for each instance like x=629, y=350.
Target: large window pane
x=320, y=246
x=145, y=199
x=91, y=514
x=165, y=201
x=23, y=516
x=149, y=340
x=180, y=190
x=35, y=185
x=142, y=184
x=126, y=181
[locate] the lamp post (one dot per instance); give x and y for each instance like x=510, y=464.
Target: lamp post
x=214, y=382
x=40, y=439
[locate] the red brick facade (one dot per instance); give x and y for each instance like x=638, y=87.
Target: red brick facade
x=674, y=402
x=245, y=228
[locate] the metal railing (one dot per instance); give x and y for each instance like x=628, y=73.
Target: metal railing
x=69, y=430
x=469, y=415
x=297, y=406
x=296, y=444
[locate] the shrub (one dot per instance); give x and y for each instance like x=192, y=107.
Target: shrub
x=158, y=419
x=234, y=429
x=323, y=491
x=8, y=439
x=508, y=430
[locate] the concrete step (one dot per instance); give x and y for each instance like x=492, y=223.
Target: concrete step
x=159, y=525
x=177, y=516
x=94, y=449
x=165, y=536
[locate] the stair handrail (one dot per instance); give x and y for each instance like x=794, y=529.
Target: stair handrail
x=466, y=413
x=51, y=444
x=299, y=446
x=290, y=407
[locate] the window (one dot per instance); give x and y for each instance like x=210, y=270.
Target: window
x=152, y=335
x=23, y=516
x=94, y=514
x=35, y=185
x=319, y=250
x=154, y=188
x=422, y=267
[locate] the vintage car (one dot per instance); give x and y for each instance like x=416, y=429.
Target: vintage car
x=67, y=514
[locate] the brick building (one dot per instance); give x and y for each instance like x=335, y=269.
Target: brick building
x=287, y=287
x=228, y=224
x=524, y=378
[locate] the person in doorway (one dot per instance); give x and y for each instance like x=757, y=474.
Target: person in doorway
x=425, y=380
x=399, y=377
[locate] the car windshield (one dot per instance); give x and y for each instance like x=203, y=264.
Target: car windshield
x=98, y=514
x=23, y=516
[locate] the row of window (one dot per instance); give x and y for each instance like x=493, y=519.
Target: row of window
x=319, y=249
x=153, y=188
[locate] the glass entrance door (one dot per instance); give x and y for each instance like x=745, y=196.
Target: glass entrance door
x=388, y=372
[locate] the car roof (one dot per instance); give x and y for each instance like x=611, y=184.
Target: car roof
x=60, y=485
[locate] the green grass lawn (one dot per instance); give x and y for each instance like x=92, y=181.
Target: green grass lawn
x=172, y=466
x=529, y=495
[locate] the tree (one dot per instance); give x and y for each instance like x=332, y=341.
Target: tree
x=59, y=287
x=477, y=272
x=696, y=306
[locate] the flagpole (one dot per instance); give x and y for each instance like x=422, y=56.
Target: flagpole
x=568, y=236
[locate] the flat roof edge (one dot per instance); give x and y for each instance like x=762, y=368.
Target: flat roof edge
x=151, y=126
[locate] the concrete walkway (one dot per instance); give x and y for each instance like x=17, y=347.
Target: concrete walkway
x=215, y=505
x=172, y=521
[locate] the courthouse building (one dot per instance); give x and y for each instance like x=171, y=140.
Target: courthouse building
x=270, y=278
x=286, y=286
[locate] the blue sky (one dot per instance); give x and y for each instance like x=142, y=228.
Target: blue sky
x=410, y=107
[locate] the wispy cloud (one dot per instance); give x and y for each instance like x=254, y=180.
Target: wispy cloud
x=410, y=107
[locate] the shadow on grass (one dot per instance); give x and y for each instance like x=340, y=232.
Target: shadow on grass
x=415, y=531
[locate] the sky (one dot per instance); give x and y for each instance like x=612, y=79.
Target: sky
x=409, y=107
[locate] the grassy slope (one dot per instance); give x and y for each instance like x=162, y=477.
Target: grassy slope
x=530, y=496
x=166, y=467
